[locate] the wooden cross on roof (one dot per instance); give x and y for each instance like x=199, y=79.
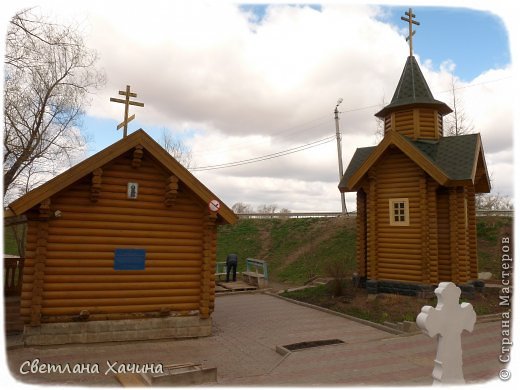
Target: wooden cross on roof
x=127, y=102
x=410, y=21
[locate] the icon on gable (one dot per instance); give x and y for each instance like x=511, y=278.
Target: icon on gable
x=132, y=190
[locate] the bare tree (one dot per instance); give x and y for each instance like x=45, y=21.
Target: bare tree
x=379, y=133
x=49, y=74
x=242, y=208
x=176, y=148
x=457, y=123
x=493, y=201
x=267, y=208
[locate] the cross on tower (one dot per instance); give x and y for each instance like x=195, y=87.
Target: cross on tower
x=126, y=102
x=447, y=321
x=410, y=21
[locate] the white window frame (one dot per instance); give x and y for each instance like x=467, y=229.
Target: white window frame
x=404, y=215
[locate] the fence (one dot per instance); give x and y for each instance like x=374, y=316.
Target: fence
x=295, y=215
x=13, y=272
x=326, y=214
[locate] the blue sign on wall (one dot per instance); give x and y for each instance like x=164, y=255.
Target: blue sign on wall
x=129, y=259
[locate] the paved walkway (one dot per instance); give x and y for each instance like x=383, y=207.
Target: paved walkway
x=247, y=329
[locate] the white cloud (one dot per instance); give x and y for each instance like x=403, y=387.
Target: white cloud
x=250, y=89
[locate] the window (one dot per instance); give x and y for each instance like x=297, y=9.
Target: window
x=399, y=215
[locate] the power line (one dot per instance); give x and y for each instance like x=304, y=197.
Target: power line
x=314, y=143
x=268, y=156
x=300, y=128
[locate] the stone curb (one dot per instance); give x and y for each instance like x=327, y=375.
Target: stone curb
x=480, y=319
x=257, y=291
x=352, y=318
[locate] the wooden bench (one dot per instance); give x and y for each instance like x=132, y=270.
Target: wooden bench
x=256, y=273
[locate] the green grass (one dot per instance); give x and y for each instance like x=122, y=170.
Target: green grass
x=296, y=249
x=490, y=231
x=241, y=238
x=489, y=228
x=385, y=307
x=10, y=246
x=341, y=247
x=272, y=240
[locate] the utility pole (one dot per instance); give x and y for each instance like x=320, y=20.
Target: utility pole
x=340, y=158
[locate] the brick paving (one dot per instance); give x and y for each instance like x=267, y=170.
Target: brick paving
x=246, y=330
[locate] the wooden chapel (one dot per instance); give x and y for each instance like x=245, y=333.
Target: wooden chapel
x=122, y=246
x=416, y=224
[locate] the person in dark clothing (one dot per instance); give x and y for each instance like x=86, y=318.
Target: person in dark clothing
x=231, y=264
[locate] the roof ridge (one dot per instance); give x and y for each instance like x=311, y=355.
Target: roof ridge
x=108, y=154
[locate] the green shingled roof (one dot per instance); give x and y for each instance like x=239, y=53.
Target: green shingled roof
x=455, y=156
x=360, y=156
x=413, y=89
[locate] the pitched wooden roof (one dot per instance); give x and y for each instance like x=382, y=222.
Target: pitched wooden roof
x=451, y=161
x=69, y=177
x=413, y=90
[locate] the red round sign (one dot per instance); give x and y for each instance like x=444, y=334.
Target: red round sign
x=214, y=205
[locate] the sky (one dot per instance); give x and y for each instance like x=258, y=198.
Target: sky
x=238, y=81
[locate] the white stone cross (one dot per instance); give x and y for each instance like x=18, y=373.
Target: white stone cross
x=447, y=321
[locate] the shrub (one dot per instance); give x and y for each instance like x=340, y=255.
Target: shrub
x=337, y=269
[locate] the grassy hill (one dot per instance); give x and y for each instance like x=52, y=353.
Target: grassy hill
x=298, y=249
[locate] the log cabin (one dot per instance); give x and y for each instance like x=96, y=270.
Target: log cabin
x=121, y=246
x=416, y=223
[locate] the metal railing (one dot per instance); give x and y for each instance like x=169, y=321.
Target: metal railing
x=327, y=214
x=317, y=214
x=495, y=213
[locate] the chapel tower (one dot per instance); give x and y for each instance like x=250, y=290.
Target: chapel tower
x=416, y=217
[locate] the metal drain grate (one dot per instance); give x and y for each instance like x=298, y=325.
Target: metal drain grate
x=312, y=344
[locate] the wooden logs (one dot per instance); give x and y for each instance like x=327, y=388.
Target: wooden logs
x=95, y=188
x=361, y=241
x=137, y=156
x=454, y=239
x=463, y=254
x=70, y=260
x=172, y=187
x=208, y=257
x=114, y=309
x=400, y=247
x=433, y=251
x=416, y=123
x=472, y=233
x=425, y=228
x=444, y=234
x=39, y=263
x=372, y=226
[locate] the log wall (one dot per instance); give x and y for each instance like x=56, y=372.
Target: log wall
x=361, y=233
x=472, y=234
x=432, y=228
x=399, y=249
x=415, y=123
x=444, y=234
x=439, y=244
x=70, y=261
x=372, y=234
